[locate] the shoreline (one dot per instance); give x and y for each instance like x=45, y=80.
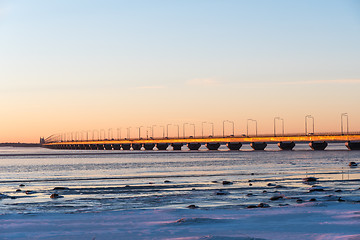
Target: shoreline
x=304, y=221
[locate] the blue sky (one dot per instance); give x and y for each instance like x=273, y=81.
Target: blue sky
x=133, y=52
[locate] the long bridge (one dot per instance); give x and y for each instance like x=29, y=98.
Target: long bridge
x=317, y=141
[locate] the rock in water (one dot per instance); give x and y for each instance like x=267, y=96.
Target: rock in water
x=274, y=198
x=310, y=179
x=226, y=183
x=61, y=188
x=352, y=164
x=55, y=195
x=192, y=206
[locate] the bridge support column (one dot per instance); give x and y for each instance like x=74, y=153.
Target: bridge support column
x=136, y=146
x=234, y=146
x=100, y=146
x=258, y=145
x=318, y=145
x=126, y=146
x=149, y=146
x=80, y=146
x=116, y=146
x=286, y=145
x=193, y=146
x=107, y=146
x=177, y=146
x=212, y=146
x=353, y=145
x=93, y=147
x=162, y=146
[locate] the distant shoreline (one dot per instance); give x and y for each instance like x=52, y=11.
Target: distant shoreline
x=20, y=144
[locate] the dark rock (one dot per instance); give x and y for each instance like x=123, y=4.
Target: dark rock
x=221, y=192
x=192, y=206
x=264, y=191
x=283, y=204
x=352, y=164
x=29, y=192
x=12, y=197
x=226, y=183
x=341, y=200
x=249, y=180
x=299, y=200
x=312, y=200
x=279, y=186
x=250, y=184
x=316, y=189
x=214, y=181
x=151, y=183
x=61, y=188
x=55, y=195
x=271, y=184
x=263, y=205
x=339, y=190
x=21, y=185
x=167, y=181
x=251, y=206
x=252, y=173
x=127, y=186
x=181, y=220
x=193, y=189
x=310, y=179
x=274, y=198
x=18, y=190
x=249, y=194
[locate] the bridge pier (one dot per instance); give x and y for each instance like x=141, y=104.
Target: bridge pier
x=234, y=146
x=136, y=146
x=93, y=147
x=193, y=146
x=149, y=146
x=107, y=146
x=353, y=145
x=212, y=146
x=126, y=146
x=176, y=146
x=286, y=145
x=258, y=145
x=162, y=146
x=100, y=146
x=318, y=145
x=116, y=146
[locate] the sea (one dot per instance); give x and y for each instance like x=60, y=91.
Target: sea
x=101, y=181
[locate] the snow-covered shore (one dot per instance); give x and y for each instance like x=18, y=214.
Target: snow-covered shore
x=311, y=220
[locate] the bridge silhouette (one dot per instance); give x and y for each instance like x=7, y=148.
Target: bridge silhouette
x=317, y=141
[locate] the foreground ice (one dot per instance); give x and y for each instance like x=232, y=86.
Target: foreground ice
x=309, y=220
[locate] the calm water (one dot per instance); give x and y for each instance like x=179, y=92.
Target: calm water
x=98, y=181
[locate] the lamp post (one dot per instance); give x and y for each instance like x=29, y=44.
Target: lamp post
x=110, y=134
x=190, y=124
x=282, y=121
x=140, y=131
x=347, y=123
x=306, y=124
x=247, y=126
x=202, y=128
x=232, y=127
x=128, y=132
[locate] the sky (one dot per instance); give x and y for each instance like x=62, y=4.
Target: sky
x=68, y=66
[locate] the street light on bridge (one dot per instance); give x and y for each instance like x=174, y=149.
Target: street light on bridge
x=202, y=128
x=247, y=126
x=128, y=132
x=347, y=123
x=167, y=129
x=118, y=133
x=282, y=121
x=233, y=126
x=190, y=124
x=140, y=131
x=306, y=124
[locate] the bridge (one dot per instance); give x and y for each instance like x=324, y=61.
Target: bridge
x=317, y=141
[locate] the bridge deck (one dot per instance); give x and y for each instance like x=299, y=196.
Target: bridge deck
x=267, y=139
